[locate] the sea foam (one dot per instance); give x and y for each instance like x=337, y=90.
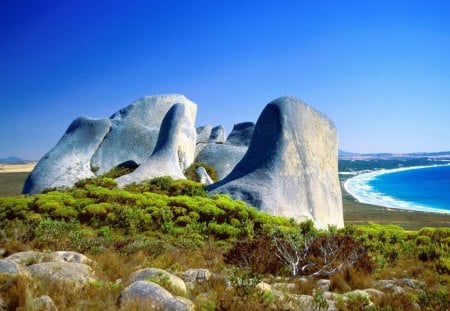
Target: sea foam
x=359, y=187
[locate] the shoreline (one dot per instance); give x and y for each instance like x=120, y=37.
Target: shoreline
x=358, y=188
x=17, y=168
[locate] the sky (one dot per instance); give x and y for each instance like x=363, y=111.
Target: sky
x=380, y=70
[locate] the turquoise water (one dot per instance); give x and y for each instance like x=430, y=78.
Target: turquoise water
x=418, y=188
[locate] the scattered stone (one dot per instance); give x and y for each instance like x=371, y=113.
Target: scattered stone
x=2, y=252
x=411, y=283
x=324, y=284
x=175, y=148
x=167, y=280
x=241, y=135
x=217, y=135
x=70, y=160
x=203, y=176
x=290, y=167
x=70, y=256
x=263, y=287
x=45, y=303
x=146, y=295
x=374, y=293
x=62, y=272
x=196, y=276
x=134, y=132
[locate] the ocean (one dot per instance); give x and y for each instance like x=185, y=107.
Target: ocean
x=424, y=188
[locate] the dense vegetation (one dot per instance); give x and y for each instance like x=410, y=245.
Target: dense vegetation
x=174, y=225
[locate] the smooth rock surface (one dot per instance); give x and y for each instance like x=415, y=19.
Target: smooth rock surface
x=32, y=257
x=134, y=131
x=241, y=135
x=290, y=168
x=203, y=134
x=71, y=256
x=222, y=157
x=10, y=267
x=150, y=296
x=70, y=160
x=175, y=149
x=218, y=135
x=62, y=272
x=174, y=283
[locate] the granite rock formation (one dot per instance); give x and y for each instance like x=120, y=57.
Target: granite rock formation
x=290, y=168
x=222, y=154
x=134, y=132
x=70, y=160
x=175, y=148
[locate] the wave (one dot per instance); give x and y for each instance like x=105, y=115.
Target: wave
x=360, y=189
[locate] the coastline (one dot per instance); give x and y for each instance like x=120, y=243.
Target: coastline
x=359, y=189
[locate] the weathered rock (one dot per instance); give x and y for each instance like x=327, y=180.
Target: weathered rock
x=62, y=272
x=10, y=267
x=147, y=295
x=70, y=256
x=374, y=293
x=203, y=176
x=2, y=252
x=241, y=135
x=32, y=257
x=134, y=131
x=290, y=168
x=70, y=160
x=203, y=134
x=171, y=282
x=175, y=148
x=218, y=135
x=196, y=276
x=222, y=157
x=44, y=303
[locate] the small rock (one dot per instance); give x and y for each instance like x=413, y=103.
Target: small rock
x=203, y=176
x=196, y=275
x=146, y=295
x=324, y=284
x=411, y=283
x=263, y=287
x=2, y=252
x=45, y=303
x=62, y=272
x=162, y=277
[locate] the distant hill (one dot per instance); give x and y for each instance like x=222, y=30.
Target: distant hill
x=346, y=154
x=12, y=160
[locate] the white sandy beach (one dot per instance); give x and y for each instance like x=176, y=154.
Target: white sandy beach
x=17, y=168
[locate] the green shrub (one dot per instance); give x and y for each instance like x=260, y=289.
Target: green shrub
x=191, y=173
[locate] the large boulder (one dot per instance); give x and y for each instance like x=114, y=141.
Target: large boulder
x=223, y=154
x=134, y=131
x=70, y=160
x=169, y=281
x=241, y=135
x=222, y=157
x=290, y=168
x=146, y=295
x=62, y=272
x=175, y=149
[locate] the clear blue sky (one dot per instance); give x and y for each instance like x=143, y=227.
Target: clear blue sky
x=379, y=69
